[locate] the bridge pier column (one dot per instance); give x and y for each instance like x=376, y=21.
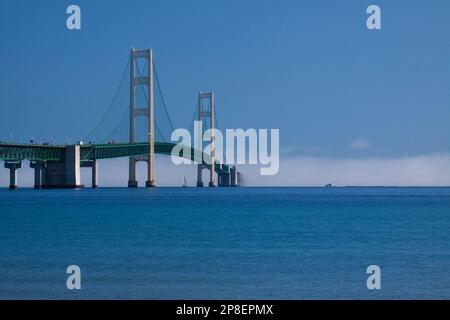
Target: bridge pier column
x=212, y=180
x=13, y=166
x=234, y=177
x=199, y=176
x=212, y=175
x=95, y=174
x=39, y=168
x=224, y=180
x=150, y=183
x=132, y=182
x=93, y=164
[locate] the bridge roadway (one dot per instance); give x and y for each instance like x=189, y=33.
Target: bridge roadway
x=41, y=156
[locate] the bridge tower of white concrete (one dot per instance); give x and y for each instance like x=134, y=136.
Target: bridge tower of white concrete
x=206, y=111
x=136, y=81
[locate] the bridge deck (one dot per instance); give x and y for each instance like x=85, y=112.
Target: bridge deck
x=34, y=152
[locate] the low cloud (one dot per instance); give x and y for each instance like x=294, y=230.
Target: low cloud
x=422, y=170
x=426, y=170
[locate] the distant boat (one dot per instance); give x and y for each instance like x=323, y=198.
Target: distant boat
x=184, y=182
x=329, y=185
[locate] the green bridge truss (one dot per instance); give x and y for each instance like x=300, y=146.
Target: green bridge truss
x=20, y=152
x=39, y=153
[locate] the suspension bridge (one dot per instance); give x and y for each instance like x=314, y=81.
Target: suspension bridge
x=58, y=165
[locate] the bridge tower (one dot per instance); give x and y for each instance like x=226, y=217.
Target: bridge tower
x=206, y=112
x=137, y=80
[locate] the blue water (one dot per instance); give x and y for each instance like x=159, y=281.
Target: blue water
x=226, y=243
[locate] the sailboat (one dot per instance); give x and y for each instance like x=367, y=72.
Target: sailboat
x=184, y=182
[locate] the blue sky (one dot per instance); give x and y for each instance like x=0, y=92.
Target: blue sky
x=310, y=68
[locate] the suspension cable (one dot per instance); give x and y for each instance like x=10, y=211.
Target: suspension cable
x=161, y=94
x=112, y=102
x=147, y=99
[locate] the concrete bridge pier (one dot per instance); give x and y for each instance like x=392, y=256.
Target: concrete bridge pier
x=64, y=174
x=132, y=182
x=212, y=171
x=224, y=179
x=230, y=178
x=200, y=183
x=94, y=165
x=199, y=176
x=39, y=172
x=94, y=174
x=13, y=166
x=234, y=177
x=150, y=183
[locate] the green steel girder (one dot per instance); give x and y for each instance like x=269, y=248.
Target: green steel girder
x=108, y=151
x=20, y=152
